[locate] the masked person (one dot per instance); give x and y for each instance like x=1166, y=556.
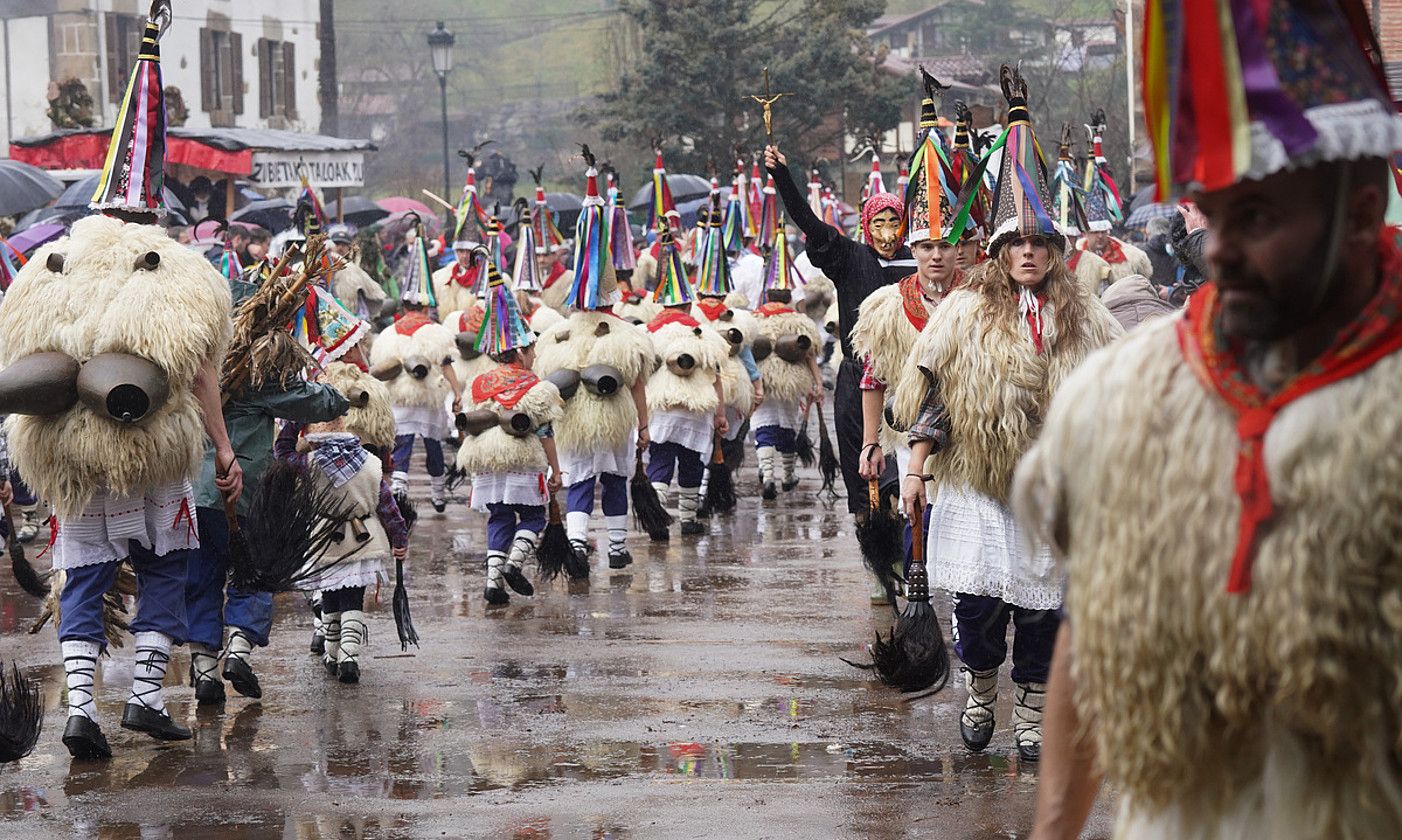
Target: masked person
x=857, y=270
x=1021, y=318
x=1232, y=650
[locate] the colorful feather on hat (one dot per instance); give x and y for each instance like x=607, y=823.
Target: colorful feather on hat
x=416, y=279
x=713, y=270
x=133, y=173
x=471, y=215
x=1098, y=179
x=963, y=162
x=1067, y=195
x=931, y=193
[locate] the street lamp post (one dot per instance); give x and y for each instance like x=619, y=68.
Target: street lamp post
x=440, y=48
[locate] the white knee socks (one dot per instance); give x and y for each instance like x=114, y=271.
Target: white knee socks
x=80, y=663
x=353, y=636
x=149, y=670
x=766, y=456
x=618, y=532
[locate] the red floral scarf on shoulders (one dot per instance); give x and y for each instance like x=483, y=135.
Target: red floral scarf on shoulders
x=1375, y=334
x=506, y=385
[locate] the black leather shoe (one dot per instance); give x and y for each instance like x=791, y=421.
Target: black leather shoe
x=789, y=485
x=209, y=692
x=240, y=675
x=439, y=505
x=976, y=737
x=158, y=725
x=662, y=535
x=496, y=596
x=318, y=645
x=691, y=528
x=703, y=511
x=1030, y=753
x=84, y=739
x=348, y=672
x=330, y=666
x=620, y=559
x=770, y=492
x=517, y=581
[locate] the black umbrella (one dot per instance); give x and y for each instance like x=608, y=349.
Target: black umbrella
x=683, y=187
x=79, y=194
x=273, y=214
x=566, y=207
x=359, y=211
x=24, y=187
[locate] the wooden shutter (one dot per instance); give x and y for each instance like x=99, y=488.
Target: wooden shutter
x=289, y=77
x=207, y=94
x=236, y=69
x=265, y=80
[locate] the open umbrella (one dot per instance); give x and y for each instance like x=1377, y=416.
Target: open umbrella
x=400, y=204
x=359, y=211
x=684, y=187
x=32, y=237
x=24, y=187
x=79, y=194
x=566, y=207
x=272, y=214
x=1142, y=214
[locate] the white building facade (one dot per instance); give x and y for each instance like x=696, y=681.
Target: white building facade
x=244, y=63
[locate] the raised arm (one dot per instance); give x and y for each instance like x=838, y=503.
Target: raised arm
x=820, y=234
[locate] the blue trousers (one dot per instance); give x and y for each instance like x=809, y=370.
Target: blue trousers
x=404, y=452
x=778, y=437
x=23, y=495
x=580, y=495
x=160, y=597
x=981, y=636
x=208, y=606
x=664, y=458
x=503, y=521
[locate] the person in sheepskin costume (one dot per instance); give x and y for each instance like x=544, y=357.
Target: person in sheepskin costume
x=508, y=444
x=113, y=337
x=1222, y=485
x=789, y=371
x=1021, y=319
x=684, y=400
x=890, y=320
x=415, y=357
x=604, y=425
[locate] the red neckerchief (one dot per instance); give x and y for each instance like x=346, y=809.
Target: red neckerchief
x=470, y=320
x=506, y=385
x=1075, y=258
x=556, y=271
x=671, y=316
x=1375, y=334
x=466, y=276
x=773, y=309
x=712, y=308
x=1114, y=253
x=914, y=301
x=408, y=323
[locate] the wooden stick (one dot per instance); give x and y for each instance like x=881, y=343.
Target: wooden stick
x=440, y=200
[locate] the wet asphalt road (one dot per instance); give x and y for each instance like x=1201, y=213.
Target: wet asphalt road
x=697, y=694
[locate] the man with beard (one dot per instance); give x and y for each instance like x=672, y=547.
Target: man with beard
x=1232, y=654
x=857, y=270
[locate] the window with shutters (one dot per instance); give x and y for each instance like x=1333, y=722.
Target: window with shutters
x=221, y=75
x=123, y=40
x=277, y=79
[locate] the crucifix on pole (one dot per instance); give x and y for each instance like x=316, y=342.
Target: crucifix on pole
x=767, y=99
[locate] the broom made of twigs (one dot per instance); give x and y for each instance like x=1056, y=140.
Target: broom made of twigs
x=827, y=458
x=29, y=580
x=651, y=516
x=720, y=486
x=292, y=521
x=403, y=621
x=803, y=444
x=913, y=657
x=21, y=714
x=554, y=555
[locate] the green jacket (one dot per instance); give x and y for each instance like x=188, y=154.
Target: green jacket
x=249, y=420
